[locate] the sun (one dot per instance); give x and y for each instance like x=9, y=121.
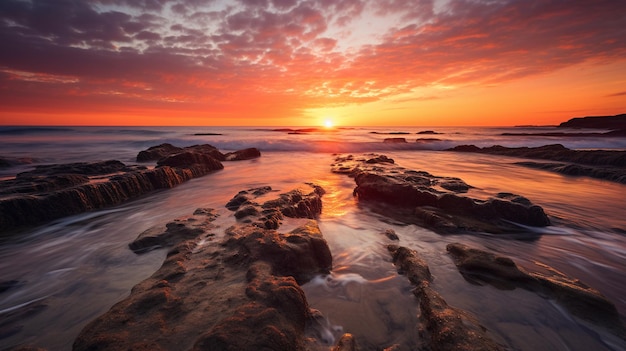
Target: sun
x=328, y=123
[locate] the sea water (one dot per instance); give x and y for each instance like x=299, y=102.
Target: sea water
x=71, y=270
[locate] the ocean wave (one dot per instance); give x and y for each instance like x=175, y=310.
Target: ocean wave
x=328, y=146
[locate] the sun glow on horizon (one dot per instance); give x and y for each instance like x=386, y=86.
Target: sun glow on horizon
x=328, y=123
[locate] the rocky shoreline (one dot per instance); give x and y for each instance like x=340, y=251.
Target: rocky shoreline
x=601, y=164
x=53, y=191
x=240, y=287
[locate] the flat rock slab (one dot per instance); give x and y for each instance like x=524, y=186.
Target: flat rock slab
x=435, y=202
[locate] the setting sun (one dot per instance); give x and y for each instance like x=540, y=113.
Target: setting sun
x=328, y=123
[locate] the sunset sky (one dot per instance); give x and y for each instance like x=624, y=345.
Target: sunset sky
x=301, y=62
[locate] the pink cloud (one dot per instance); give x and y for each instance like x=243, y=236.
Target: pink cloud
x=281, y=51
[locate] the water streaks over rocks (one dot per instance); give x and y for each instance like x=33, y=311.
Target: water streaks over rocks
x=54, y=191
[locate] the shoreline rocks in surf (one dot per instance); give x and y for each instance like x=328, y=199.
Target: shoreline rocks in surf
x=441, y=326
x=434, y=202
x=53, y=191
x=601, y=164
x=448, y=328
x=480, y=267
x=236, y=291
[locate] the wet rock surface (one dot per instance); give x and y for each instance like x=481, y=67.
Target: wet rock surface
x=54, y=191
x=435, y=202
x=159, y=152
x=236, y=291
x=442, y=327
x=482, y=267
x=602, y=164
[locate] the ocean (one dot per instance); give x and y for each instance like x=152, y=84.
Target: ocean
x=73, y=269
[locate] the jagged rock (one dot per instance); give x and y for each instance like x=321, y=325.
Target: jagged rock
x=199, y=164
x=55, y=191
x=245, y=154
x=299, y=253
x=479, y=266
x=410, y=264
x=238, y=293
x=442, y=327
x=449, y=329
x=274, y=318
x=155, y=153
x=295, y=203
x=180, y=229
x=435, y=202
x=391, y=234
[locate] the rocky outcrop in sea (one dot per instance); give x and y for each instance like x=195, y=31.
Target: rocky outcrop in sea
x=54, y=191
x=602, y=164
x=239, y=291
x=434, y=202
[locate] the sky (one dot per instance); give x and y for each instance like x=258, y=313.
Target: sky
x=304, y=62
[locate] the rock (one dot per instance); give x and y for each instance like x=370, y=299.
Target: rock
x=347, y=342
x=200, y=164
x=613, y=174
x=297, y=203
x=602, y=122
x=410, y=264
x=428, y=132
x=435, y=202
x=274, y=319
x=179, y=230
x=554, y=152
x=245, y=154
x=394, y=141
x=442, y=327
x=155, y=153
x=240, y=292
x=55, y=191
x=479, y=266
x=379, y=159
x=300, y=253
x=391, y=234
x=448, y=328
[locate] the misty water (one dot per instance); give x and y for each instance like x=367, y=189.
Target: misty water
x=67, y=272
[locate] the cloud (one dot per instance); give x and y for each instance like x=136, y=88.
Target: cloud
x=191, y=53
x=621, y=93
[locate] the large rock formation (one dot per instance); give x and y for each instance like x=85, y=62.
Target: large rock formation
x=435, y=202
x=602, y=164
x=480, y=267
x=53, y=191
x=239, y=291
x=598, y=122
x=442, y=327
x=159, y=152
